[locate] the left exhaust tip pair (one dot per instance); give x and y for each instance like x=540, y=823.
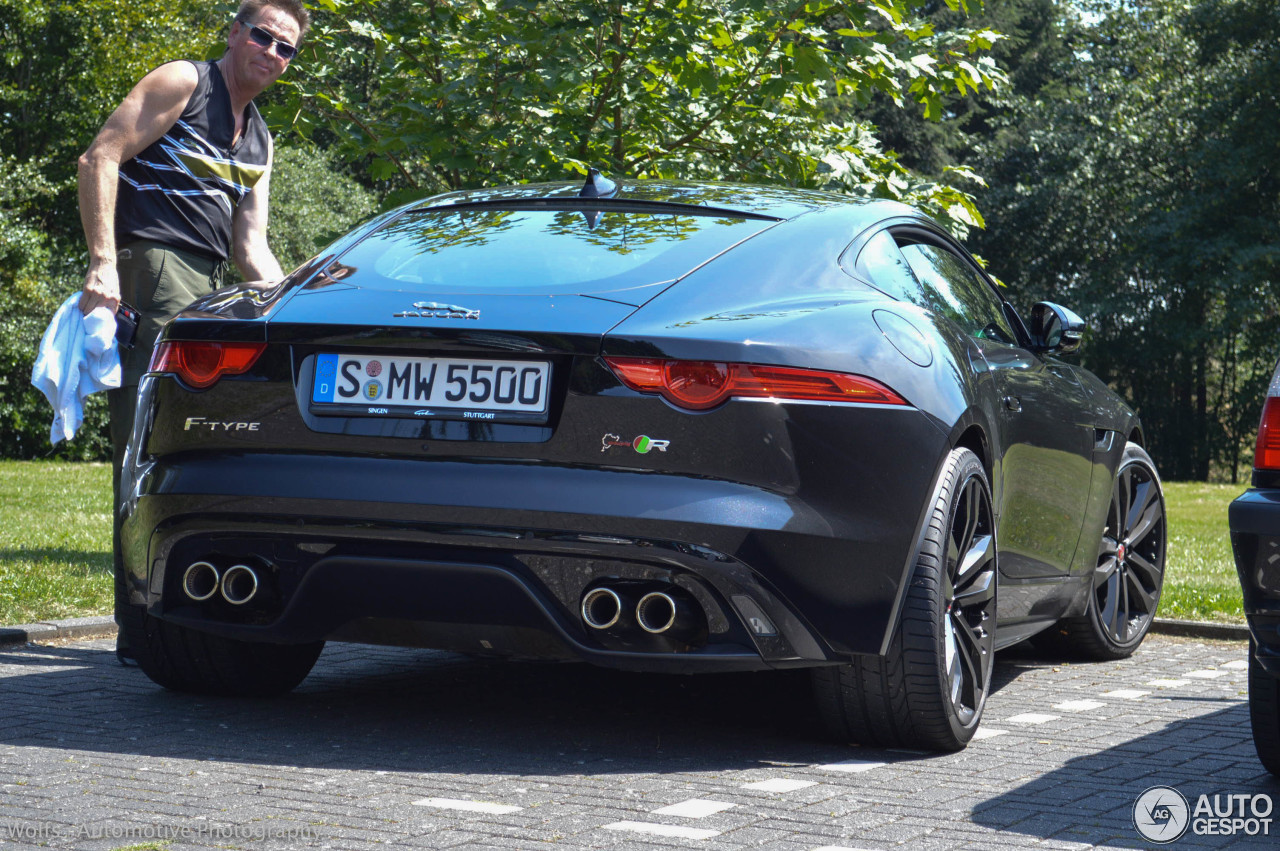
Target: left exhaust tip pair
x=603, y=608
x=238, y=584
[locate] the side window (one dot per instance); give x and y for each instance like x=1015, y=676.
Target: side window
x=882, y=263
x=954, y=289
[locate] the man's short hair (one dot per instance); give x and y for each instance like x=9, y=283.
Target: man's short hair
x=249, y=10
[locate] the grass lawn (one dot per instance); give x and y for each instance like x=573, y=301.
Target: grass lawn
x=55, y=545
x=55, y=540
x=1200, y=582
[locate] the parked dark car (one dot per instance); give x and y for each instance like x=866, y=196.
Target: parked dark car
x=660, y=427
x=1254, y=518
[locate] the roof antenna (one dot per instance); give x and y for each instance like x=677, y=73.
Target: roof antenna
x=598, y=186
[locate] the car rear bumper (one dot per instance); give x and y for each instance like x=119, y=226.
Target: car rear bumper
x=1254, y=518
x=467, y=556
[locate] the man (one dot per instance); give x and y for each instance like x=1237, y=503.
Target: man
x=176, y=182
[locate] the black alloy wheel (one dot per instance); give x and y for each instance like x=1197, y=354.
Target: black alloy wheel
x=1129, y=575
x=969, y=596
x=928, y=692
x=1127, y=581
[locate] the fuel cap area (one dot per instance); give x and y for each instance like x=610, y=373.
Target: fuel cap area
x=904, y=336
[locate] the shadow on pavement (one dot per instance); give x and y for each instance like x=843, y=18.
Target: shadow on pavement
x=405, y=710
x=1209, y=755
x=394, y=709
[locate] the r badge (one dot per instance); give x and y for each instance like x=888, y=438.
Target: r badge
x=642, y=444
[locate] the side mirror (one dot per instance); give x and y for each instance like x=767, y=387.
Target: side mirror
x=1055, y=329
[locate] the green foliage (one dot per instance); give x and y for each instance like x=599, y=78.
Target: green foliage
x=1031, y=47
x=24, y=247
x=1141, y=189
x=26, y=306
x=65, y=65
x=440, y=96
x=30, y=292
x=312, y=202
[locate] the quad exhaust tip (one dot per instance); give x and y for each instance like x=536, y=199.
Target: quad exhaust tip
x=200, y=582
x=601, y=608
x=239, y=584
x=656, y=612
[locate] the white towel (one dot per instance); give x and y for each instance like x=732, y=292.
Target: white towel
x=77, y=357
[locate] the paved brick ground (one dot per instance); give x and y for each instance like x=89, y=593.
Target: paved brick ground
x=388, y=747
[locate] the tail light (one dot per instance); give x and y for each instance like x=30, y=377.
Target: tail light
x=201, y=364
x=699, y=385
x=1266, y=453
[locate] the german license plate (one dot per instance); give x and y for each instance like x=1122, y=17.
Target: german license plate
x=450, y=388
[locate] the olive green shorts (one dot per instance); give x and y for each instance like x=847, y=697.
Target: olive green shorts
x=159, y=282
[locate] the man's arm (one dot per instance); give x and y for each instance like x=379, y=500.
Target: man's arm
x=249, y=247
x=155, y=103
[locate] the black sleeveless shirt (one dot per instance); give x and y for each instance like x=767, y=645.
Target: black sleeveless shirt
x=183, y=189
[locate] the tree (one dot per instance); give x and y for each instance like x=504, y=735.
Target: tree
x=1028, y=53
x=65, y=65
x=1143, y=191
x=443, y=95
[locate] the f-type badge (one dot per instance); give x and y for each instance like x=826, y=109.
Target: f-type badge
x=435, y=310
x=642, y=444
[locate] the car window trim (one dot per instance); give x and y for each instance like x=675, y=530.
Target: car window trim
x=610, y=205
x=923, y=234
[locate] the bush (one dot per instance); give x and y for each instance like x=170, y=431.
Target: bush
x=33, y=282
x=313, y=200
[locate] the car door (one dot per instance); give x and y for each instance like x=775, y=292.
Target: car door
x=1042, y=476
x=1041, y=467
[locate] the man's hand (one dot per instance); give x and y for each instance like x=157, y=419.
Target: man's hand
x=101, y=288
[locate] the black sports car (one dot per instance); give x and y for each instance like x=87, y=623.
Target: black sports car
x=662, y=427
x=1254, y=518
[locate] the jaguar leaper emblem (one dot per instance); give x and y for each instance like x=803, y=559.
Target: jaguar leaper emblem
x=436, y=310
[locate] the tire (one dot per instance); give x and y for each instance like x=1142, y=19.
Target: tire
x=186, y=660
x=1129, y=573
x=1264, y=713
x=929, y=691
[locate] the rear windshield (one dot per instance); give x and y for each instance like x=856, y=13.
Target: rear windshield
x=552, y=251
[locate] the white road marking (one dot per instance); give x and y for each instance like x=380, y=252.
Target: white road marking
x=1127, y=693
x=1032, y=718
x=988, y=733
x=852, y=766
x=694, y=808
x=662, y=830
x=1079, y=705
x=779, y=785
x=1205, y=675
x=838, y=848
x=468, y=806
x=1168, y=683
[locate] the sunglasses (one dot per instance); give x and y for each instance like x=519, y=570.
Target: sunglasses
x=262, y=38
